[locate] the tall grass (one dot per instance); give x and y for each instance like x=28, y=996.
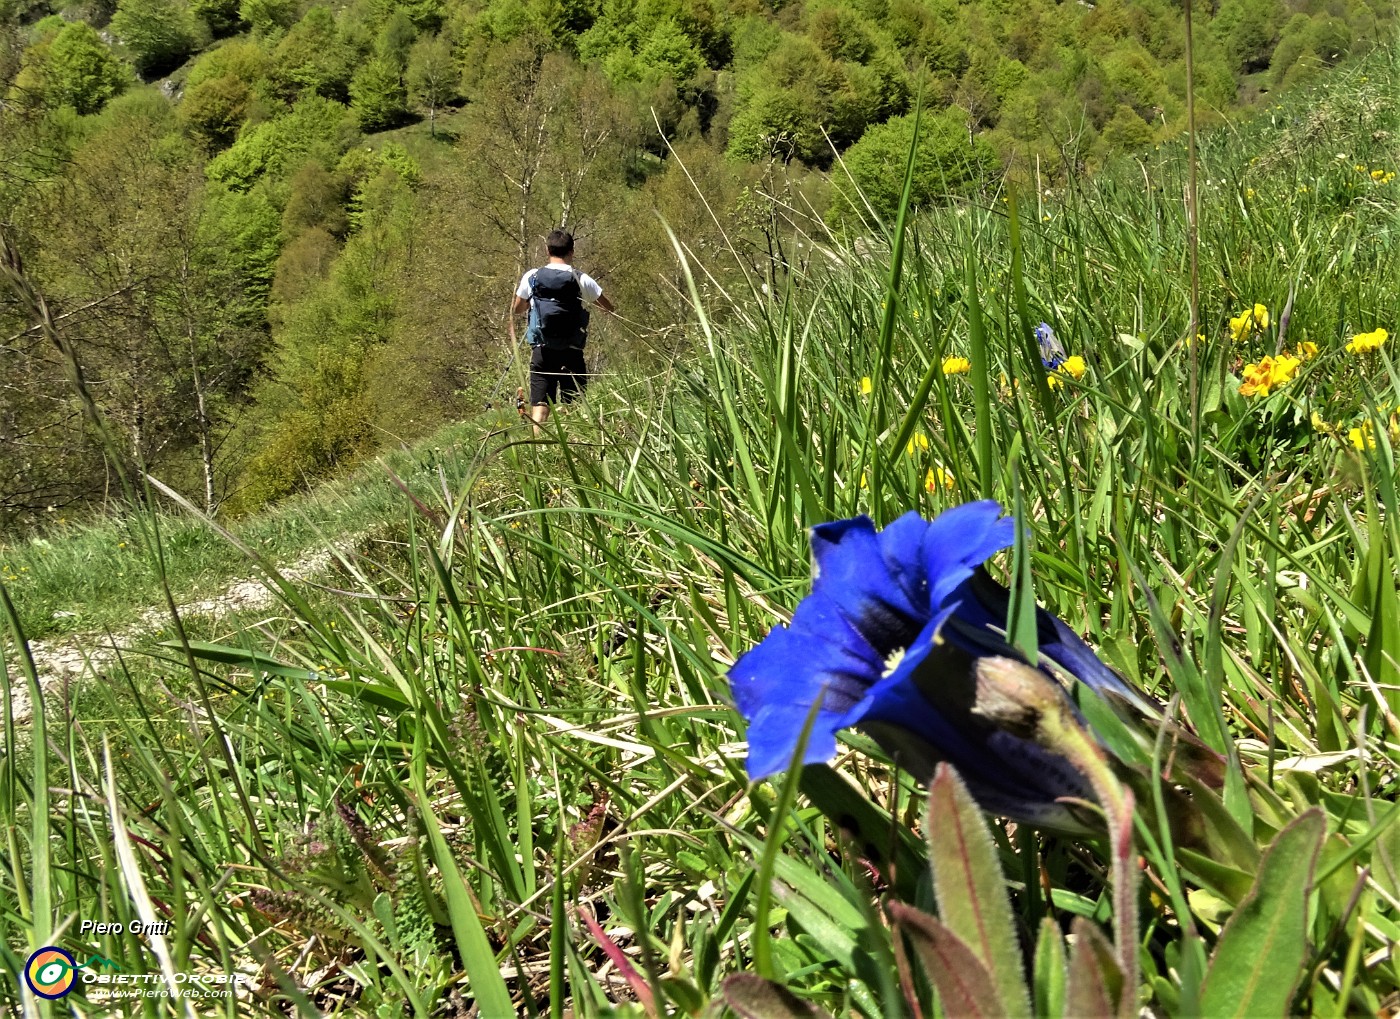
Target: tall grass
x=506, y=771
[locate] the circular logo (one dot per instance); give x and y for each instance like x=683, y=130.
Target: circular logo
x=50, y=972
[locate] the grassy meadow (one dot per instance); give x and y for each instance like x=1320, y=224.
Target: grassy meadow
x=492, y=762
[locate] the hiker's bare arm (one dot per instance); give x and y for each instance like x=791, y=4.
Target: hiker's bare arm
x=518, y=306
x=604, y=303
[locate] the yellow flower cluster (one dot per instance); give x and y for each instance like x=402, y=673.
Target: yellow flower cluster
x=1268, y=374
x=917, y=444
x=1074, y=367
x=956, y=365
x=938, y=478
x=1252, y=320
x=1363, y=436
x=866, y=388
x=1364, y=343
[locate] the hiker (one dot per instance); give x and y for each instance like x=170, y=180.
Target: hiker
x=555, y=295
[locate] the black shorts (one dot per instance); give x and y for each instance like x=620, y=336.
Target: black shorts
x=556, y=371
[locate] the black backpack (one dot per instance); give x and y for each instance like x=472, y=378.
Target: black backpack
x=560, y=320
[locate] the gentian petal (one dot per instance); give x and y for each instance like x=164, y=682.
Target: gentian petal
x=773, y=735
x=901, y=546
x=776, y=682
x=959, y=541
x=852, y=572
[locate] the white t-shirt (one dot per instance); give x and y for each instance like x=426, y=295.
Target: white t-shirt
x=587, y=285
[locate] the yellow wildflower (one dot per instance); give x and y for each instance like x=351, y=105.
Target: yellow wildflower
x=1360, y=167
x=1364, y=343
x=937, y=478
x=1361, y=437
x=956, y=365
x=1268, y=374
x=1284, y=368
x=917, y=443
x=1249, y=321
x=1382, y=176
x=866, y=388
x=1074, y=367
x=1256, y=381
x=1249, y=194
x=1307, y=351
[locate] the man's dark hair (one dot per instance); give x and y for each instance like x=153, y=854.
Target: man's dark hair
x=559, y=243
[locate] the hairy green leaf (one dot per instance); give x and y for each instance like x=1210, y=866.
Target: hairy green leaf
x=752, y=997
x=1262, y=951
x=1049, y=977
x=1094, y=981
x=964, y=984
x=968, y=884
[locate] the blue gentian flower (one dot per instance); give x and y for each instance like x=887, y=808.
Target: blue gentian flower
x=1052, y=351
x=889, y=639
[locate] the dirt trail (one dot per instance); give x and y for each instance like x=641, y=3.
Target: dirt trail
x=71, y=658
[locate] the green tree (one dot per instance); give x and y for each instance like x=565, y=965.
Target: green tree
x=771, y=124
x=842, y=34
x=242, y=58
x=80, y=70
x=432, y=76
x=788, y=107
x=1249, y=30
x=946, y=164
x=668, y=52
x=313, y=57
x=377, y=95
x=395, y=40
x=221, y=92
x=268, y=17
x=1331, y=38
x=1127, y=132
x=317, y=200
x=173, y=290
x=219, y=16
x=318, y=412
x=214, y=110
x=159, y=33
x=316, y=128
